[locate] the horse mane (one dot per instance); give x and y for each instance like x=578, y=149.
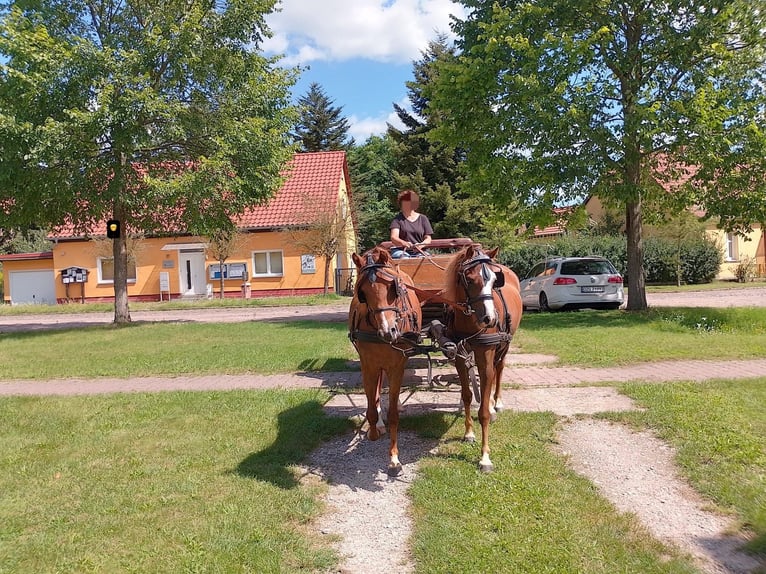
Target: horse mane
x=451, y=273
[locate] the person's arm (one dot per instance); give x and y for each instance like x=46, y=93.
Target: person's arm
x=398, y=241
x=426, y=240
x=427, y=231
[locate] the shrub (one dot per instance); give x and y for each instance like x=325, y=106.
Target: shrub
x=745, y=269
x=700, y=259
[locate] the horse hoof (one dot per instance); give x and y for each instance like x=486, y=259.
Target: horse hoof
x=471, y=439
x=499, y=408
x=486, y=468
x=492, y=417
x=394, y=469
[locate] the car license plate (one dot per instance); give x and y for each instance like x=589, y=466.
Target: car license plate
x=592, y=289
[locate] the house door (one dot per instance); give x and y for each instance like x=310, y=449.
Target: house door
x=191, y=267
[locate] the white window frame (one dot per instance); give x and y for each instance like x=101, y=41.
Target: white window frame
x=269, y=253
x=732, y=247
x=102, y=281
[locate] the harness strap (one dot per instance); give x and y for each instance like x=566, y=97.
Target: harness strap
x=486, y=339
x=410, y=349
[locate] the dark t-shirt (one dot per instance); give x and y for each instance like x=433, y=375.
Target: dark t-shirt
x=412, y=231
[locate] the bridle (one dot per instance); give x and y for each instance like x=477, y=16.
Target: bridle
x=371, y=272
x=502, y=336
x=486, y=262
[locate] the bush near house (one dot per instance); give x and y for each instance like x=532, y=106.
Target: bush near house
x=700, y=258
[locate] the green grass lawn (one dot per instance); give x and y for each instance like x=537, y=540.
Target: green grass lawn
x=531, y=515
x=606, y=338
x=596, y=338
x=206, y=482
x=187, y=482
x=74, y=308
x=170, y=482
x=171, y=349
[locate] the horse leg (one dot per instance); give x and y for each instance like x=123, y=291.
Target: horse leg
x=486, y=375
x=499, y=366
x=394, y=386
x=467, y=396
x=372, y=380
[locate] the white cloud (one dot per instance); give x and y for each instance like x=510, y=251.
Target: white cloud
x=362, y=128
x=393, y=31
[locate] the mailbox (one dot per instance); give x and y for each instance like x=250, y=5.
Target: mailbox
x=74, y=275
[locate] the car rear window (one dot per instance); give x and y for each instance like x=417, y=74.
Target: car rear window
x=587, y=268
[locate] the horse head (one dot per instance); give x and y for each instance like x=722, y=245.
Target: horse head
x=381, y=288
x=478, y=275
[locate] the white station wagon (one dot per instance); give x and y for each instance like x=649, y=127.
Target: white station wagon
x=572, y=283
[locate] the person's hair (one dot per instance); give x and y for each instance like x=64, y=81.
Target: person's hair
x=408, y=195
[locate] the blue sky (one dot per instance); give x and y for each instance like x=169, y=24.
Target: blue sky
x=359, y=51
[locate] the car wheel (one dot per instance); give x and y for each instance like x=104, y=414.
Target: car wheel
x=544, y=308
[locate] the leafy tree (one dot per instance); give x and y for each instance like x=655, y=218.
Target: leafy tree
x=221, y=244
x=26, y=241
x=327, y=232
x=159, y=113
x=374, y=186
x=555, y=99
x=321, y=126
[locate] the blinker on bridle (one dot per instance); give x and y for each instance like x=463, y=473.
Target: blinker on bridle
x=484, y=260
x=370, y=271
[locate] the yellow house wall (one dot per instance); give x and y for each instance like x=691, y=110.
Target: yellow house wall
x=749, y=247
x=16, y=265
x=348, y=245
x=149, y=257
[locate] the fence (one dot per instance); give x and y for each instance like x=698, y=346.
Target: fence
x=345, y=279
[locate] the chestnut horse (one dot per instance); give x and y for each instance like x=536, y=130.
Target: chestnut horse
x=384, y=326
x=486, y=312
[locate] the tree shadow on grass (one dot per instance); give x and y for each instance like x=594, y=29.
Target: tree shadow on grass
x=300, y=429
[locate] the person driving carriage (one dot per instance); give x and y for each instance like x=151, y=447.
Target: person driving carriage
x=410, y=231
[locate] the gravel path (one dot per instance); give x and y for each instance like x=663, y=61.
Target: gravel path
x=367, y=510
x=635, y=471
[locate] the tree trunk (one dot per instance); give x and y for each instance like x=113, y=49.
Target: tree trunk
x=120, y=253
x=636, y=279
x=223, y=282
x=327, y=261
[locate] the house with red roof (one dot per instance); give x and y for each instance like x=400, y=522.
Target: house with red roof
x=270, y=257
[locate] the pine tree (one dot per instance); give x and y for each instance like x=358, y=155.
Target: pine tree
x=321, y=126
x=429, y=167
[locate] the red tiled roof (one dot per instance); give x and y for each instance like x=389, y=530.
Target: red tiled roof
x=558, y=228
x=26, y=256
x=313, y=181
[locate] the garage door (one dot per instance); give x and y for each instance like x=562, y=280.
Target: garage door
x=32, y=287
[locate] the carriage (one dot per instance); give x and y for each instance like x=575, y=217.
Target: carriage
x=457, y=300
x=428, y=276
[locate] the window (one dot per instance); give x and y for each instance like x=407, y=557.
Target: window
x=106, y=270
x=731, y=247
x=267, y=264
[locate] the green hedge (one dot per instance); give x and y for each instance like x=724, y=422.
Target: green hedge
x=700, y=258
